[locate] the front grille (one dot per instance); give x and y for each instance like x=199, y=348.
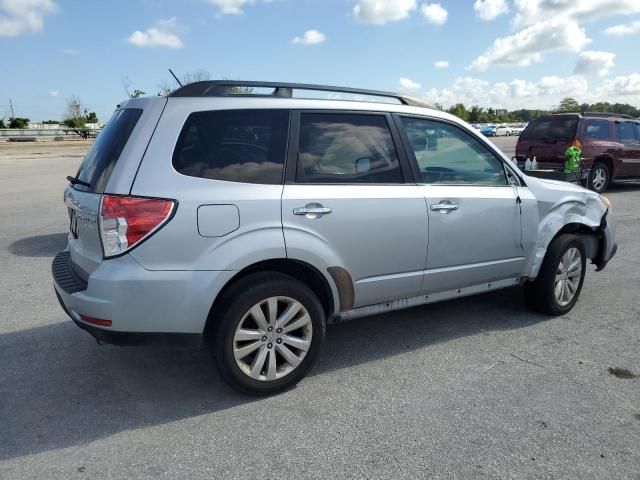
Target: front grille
x=64, y=275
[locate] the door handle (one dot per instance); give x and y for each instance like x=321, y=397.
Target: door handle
x=312, y=210
x=444, y=207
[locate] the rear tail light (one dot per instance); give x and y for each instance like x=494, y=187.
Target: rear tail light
x=126, y=221
x=96, y=321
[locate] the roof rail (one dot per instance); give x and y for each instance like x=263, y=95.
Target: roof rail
x=597, y=114
x=220, y=88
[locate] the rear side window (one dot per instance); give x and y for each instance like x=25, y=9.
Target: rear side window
x=246, y=146
x=556, y=127
x=626, y=132
x=346, y=148
x=597, y=129
x=99, y=162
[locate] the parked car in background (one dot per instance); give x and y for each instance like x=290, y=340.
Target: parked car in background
x=610, y=144
x=488, y=131
x=249, y=222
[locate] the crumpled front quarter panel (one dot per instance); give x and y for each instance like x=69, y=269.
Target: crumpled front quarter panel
x=559, y=204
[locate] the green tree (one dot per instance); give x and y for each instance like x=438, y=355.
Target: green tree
x=568, y=104
x=92, y=117
x=51, y=122
x=2, y=125
x=18, y=122
x=137, y=93
x=76, y=113
x=459, y=111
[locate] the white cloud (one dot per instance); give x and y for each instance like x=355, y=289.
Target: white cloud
x=528, y=46
x=231, y=7
x=594, y=63
x=517, y=93
x=622, y=86
x=54, y=93
x=489, y=9
x=434, y=13
x=531, y=12
x=408, y=84
x=626, y=29
x=311, y=37
x=70, y=51
x=18, y=17
x=380, y=12
x=441, y=64
x=163, y=34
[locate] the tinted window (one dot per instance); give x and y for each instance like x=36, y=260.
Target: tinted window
x=98, y=164
x=448, y=155
x=626, y=132
x=346, y=148
x=234, y=145
x=556, y=127
x=598, y=129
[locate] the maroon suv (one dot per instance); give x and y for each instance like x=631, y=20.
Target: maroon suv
x=610, y=144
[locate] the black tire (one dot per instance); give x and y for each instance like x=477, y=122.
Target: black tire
x=599, y=170
x=540, y=294
x=232, y=307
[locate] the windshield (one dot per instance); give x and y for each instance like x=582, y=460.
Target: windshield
x=99, y=162
x=555, y=127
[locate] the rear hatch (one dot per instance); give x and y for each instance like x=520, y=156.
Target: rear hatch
x=114, y=147
x=547, y=138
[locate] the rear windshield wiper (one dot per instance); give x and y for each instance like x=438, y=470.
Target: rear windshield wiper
x=76, y=180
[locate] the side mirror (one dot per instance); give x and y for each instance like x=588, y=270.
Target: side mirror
x=363, y=165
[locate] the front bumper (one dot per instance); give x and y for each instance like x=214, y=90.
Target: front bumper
x=608, y=243
x=144, y=306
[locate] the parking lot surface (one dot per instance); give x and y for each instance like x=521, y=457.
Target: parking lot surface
x=473, y=388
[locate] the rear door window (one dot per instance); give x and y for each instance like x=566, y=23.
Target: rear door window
x=245, y=146
x=99, y=162
x=597, y=129
x=551, y=128
x=346, y=148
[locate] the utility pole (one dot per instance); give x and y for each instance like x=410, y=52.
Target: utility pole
x=13, y=115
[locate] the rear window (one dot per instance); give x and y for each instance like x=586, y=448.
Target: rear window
x=246, y=146
x=99, y=162
x=551, y=128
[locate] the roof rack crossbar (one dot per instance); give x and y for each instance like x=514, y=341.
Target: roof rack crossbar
x=220, y=88
x=597, y=114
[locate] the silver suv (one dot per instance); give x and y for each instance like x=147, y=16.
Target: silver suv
x=244, y=217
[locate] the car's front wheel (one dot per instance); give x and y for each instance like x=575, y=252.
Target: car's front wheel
x=559, y=283
x=268, y=333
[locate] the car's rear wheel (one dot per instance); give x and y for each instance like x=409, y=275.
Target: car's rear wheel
x=599, y=177
x=268, y=334
x=559, y=283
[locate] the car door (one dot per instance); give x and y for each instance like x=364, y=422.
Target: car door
x=629, y=152
x=346, y=205
x=475, y=232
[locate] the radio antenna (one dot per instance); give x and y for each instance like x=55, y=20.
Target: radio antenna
x=174, y=76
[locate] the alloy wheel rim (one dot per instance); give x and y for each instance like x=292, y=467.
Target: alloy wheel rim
x=599, y=178
x=568, y=276
x=272, y=338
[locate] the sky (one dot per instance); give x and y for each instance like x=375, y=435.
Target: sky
x=493, y=53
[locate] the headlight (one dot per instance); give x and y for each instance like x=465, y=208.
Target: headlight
x=606, y=201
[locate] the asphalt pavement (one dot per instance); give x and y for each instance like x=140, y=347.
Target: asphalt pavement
x=473, y=388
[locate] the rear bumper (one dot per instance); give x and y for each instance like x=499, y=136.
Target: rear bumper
x=165, y=307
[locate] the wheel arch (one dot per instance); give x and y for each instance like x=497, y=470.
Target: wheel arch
x=302, y=271
x=609, y=162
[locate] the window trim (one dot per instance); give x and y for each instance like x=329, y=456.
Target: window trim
x=414, y=161
x=291, y=162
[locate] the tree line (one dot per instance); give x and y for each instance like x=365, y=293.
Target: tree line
x=476, y=114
